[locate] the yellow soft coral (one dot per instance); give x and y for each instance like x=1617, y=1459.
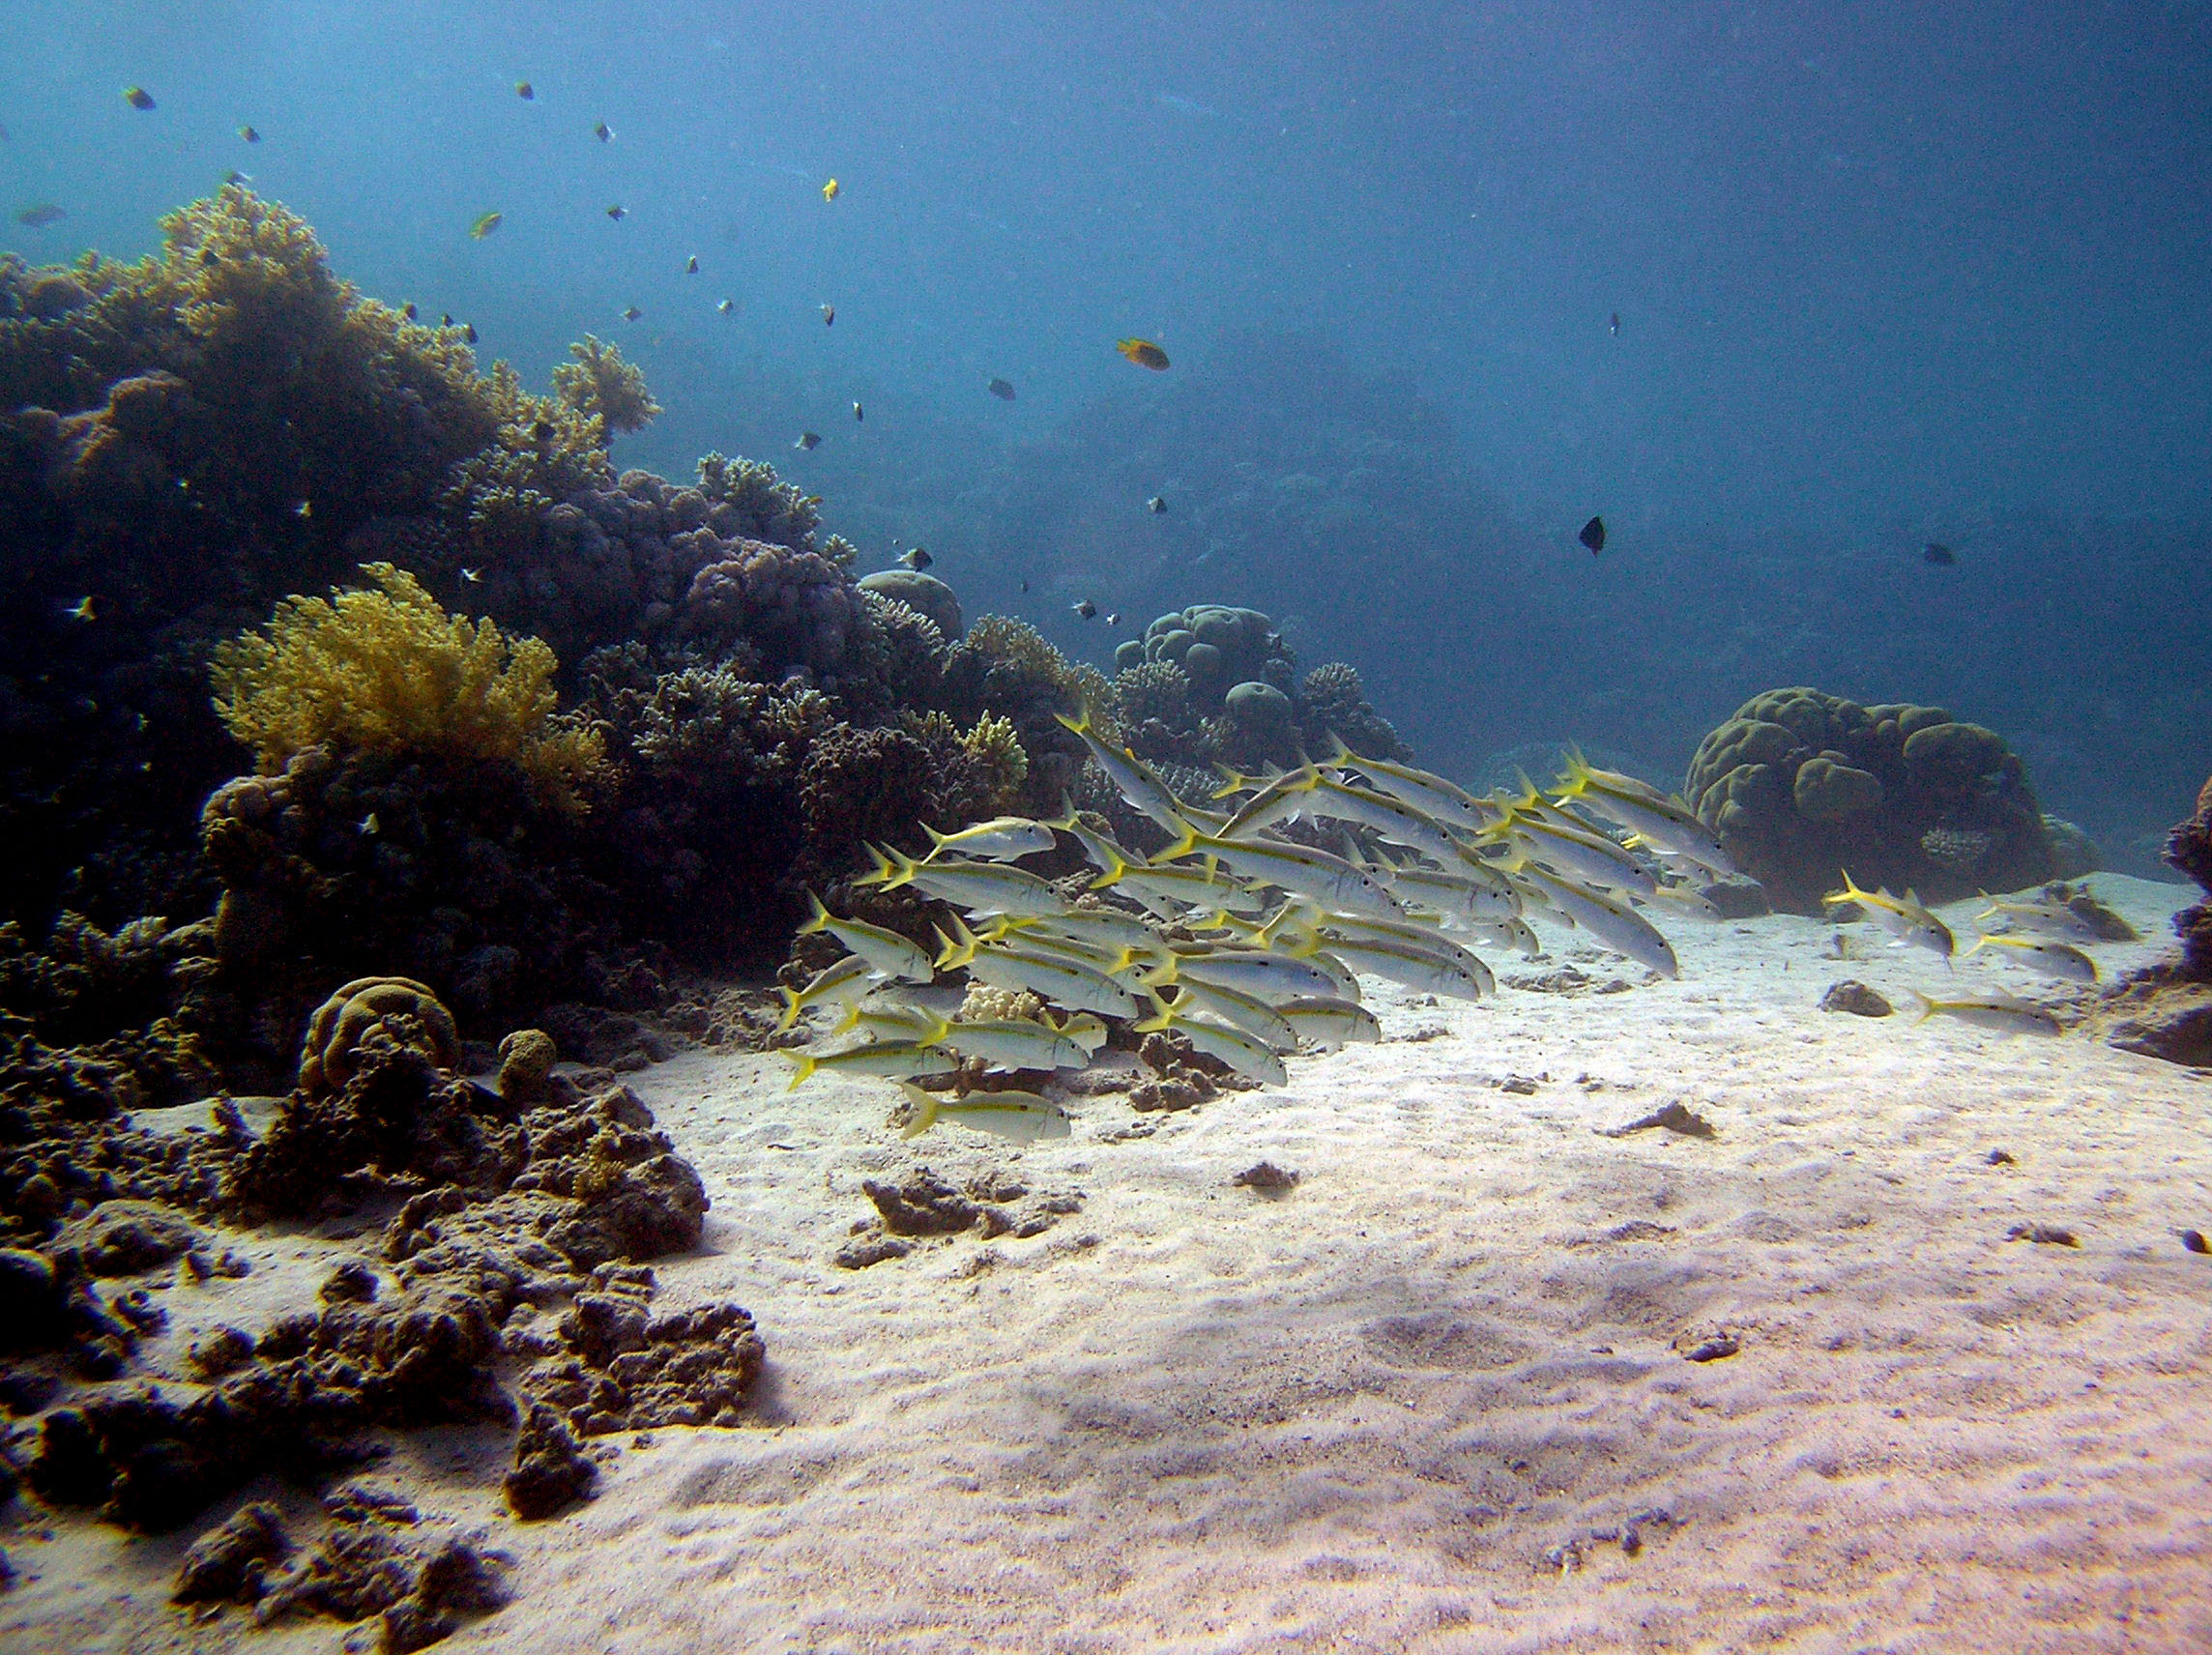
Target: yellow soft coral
x=389, y=671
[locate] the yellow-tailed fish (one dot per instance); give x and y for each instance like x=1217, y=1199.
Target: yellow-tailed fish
x=1011, y=1043
x=1268, y=977
x=1607, y=922
x=1902, y=918
x=893, y=1022
x=1511, y=932
x=1086, y=1030
x=892, y=1059
x=1248, y=1056
x=1241, y=1011
x=1460, y=895
x=1098, y=926
x=1429, y=969
x=1337, y=929
x=842, y=980
x=1665, y=824
x=1022, y=1117
x=2048, y=919
x=1143, y=353
x=980, y=887
x=1329, y=879
x=1430, y=794
x=2054, y=959
x=832, y=191
x=1324, y=1022
x=1999, y=1013
x=887, y=951
x=1001, y=839
x=1065, y=982
x=1130, y=775
x=1574, y=852
x=1274, y=801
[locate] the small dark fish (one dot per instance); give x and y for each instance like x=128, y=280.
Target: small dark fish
x=446, y=320
x=1114, y=618
x=618, y=211
x=632, y=313
x=1936, y=552
x=86, y=608
x=691, y=265
x=208, y=257
x=409, y=311
x=541, y=431
x=1594, y=536
x=1157, y=504
x=1001, y=390
x=807, y=441
x=1143, y=353
x=525, y=91
x=601, y=131
x=915, y=558
x=727, y=307
x=469, y=332
x=139, y=98
x=1084, y=608
x=859, y=412
x=234, y=176
x=1025, y=585
x=249, y=135
x=828, y=315
x=1614, y=327
x=40, y=214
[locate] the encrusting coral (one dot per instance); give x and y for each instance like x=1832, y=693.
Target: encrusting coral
x=1801, y=785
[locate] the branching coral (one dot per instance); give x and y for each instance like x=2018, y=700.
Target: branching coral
x=601, y=385
x=768, y=507
x=390, y=672
x=994, y=745
x=1335, y=702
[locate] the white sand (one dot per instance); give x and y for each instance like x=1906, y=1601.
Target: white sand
x=1412, y=1403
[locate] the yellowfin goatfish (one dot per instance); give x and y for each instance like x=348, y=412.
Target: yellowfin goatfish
x=1011, y=1043
x=1421, y=790
x=1664, y=822
x=1001, y=839
x=1999, y=1013
x=1271, y=977
x=1143, y=353
x=1249, y=1056
x=486, y=224
x=980, y=887
x=1065, y=983
x=890, y=1059
x=844, y=979
x=1238, y=1009
x=1902, y=918
x=2053, y=958
x=2050, y=919
x=1426, y=967
x=1130, y=775
x=885, y=951
x=1023, y=1116
x=1609, y=923
x=1329, y=879
x=1324, y=1022
x=908, y=1023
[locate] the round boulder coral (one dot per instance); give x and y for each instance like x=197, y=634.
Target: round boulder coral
x=1801, y=785
x=408, y=1011
x=924, y=592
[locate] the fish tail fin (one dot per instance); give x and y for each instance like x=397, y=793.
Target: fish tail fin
x=1065, y=820
x=948, y=954
x=849, y=1021
x=1114, y=875
x=923, y=1115
x=1184, y=846
x=1159, y=976
x=790, y=1009
x=818, y=917
x=802, y=1065
x=939, y=1026
x=1926, y=1007
x=937, y=841
x=881, y=873
x=963, y=947
x=1075, y=726
x=1339, y=753
x=1981, y=942
x=1163, y=1017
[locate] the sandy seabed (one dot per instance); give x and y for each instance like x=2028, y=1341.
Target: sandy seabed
x=1439, y=1395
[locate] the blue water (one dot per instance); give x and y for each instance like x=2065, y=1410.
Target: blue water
x=1883, y=274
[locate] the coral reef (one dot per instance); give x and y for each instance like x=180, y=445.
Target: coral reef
x=1801, y=785
x=2189, y=848
x=599, y=385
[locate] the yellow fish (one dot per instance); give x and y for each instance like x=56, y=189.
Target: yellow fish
x=1143, y=353
x=485, y=225
x=830, y=190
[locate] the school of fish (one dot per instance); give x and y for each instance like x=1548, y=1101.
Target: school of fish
x=1247, y=942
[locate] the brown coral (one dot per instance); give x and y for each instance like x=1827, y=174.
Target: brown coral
x=409, y=1013
x=1801, y=785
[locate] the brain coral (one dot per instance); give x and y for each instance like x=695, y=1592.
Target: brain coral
x=1802, y=785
